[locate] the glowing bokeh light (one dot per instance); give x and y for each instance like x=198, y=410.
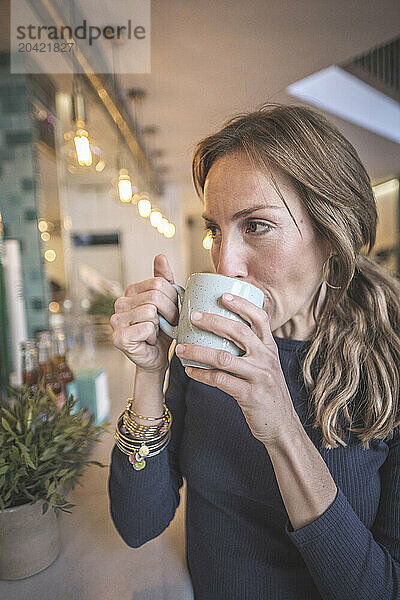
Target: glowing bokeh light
x=155, y=217
x=82, y=147
x=144, y=207
x=50, y=256
x=54, y=307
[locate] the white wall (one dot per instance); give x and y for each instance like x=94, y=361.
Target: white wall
x=92, y=209
x=387, y=233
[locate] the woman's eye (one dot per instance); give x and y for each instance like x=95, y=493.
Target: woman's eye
x=252, y=225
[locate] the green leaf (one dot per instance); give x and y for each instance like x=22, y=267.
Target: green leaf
x=9, y=415
x=14, y=454
x=28, y=418
x=51, y=488
x=51, y=394
x=30, y=462
x=25, y=454
x=4, y=469
x=48, y=454
x=6, y=425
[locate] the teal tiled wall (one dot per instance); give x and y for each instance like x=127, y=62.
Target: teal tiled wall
x=18, y=193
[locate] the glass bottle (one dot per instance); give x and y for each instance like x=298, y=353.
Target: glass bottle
x=30, y=365
x=60, y=360
x=48, y=370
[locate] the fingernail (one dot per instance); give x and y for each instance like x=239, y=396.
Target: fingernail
x=228, y=297
x=196, y=316
x=180, y=349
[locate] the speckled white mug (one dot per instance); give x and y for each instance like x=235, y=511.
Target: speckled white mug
x=203, y=292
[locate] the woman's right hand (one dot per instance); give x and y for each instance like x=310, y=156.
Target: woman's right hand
x=135, y=324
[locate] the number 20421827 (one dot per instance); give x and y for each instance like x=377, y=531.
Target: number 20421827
x=46, y=47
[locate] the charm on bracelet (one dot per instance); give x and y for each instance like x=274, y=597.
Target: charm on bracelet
x=137, y=462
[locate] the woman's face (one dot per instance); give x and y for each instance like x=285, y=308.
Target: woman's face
x=256, y=239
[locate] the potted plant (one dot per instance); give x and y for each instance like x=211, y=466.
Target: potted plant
x=43, y=452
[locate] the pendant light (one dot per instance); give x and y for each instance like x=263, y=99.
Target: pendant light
x=124, y=186
x=81, y=138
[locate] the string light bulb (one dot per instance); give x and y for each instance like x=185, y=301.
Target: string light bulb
x=170, y=232
x=81, y=138
x=155, y=217
x=163, y=225
x=82, y=147
x=124, y=186
x=144, y=207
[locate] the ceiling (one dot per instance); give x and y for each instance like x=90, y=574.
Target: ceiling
x=212, y=59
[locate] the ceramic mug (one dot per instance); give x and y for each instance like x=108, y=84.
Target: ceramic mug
x=202, y=293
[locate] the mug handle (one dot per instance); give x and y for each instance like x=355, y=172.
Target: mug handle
x=172, y=330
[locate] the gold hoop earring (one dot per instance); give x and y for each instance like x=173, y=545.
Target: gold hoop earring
x=324, y=267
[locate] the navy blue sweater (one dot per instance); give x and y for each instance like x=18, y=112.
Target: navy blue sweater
x=240, y=543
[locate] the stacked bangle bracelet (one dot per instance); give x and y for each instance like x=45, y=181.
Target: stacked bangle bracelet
x=146, y=431
x=140, y=442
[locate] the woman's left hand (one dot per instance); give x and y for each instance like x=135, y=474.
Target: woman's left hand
x=255, y=380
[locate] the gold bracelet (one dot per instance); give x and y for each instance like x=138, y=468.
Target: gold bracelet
x=146, y=430
x=129, y=409
x=128, y=421
x=133, y=433
x=120, y=430
x=142, y=448
x=141, y=436
x=137, y=455
x=137, y=459
x=135, y=447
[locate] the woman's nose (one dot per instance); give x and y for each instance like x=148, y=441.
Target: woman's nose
x=230, y=259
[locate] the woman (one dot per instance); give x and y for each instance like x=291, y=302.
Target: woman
x=291, y=452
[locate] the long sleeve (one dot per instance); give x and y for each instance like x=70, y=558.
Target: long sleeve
x=346, y=560
x=143, y=503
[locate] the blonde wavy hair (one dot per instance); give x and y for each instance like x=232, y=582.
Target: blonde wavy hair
x=356, y=343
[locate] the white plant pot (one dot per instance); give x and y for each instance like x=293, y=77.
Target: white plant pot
x=29, y=541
